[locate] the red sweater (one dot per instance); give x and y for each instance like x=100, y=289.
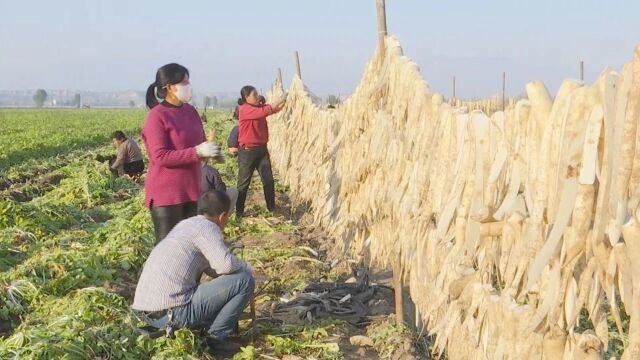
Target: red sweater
x=170, y=135
x=252, y=121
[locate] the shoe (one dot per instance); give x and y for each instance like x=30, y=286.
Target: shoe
x=225, y=348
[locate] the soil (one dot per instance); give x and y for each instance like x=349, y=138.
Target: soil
x=49, y=180
x=380, y=306
x=18, y=196
x=5, y=184
x=124, y=286
x=6, y=327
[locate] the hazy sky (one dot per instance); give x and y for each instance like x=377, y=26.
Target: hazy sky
x=118, y=44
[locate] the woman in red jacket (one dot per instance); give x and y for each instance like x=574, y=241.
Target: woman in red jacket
x=175, y=143
x=253, y=135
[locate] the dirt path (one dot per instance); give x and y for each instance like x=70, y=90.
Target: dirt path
x=293, y=253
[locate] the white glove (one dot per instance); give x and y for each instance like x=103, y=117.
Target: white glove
x=209, y=150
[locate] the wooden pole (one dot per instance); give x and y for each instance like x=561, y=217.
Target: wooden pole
x=280, y=75
x=582, y=71
x=382, y=24
x=296, y=60
x=504, y=88
x=453, y=96
x=397, y=289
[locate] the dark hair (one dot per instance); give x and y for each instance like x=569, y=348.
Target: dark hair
x=236, y=113
x=244, y=92
x=213, y=203
x=118, y=135
x=169, y=74
x=262, y=100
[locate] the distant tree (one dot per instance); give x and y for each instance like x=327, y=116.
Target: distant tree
x=214, y=101
x=40, y=97
x=332, y=100
x=207, y=102
x=132, y=103
x=76, y=100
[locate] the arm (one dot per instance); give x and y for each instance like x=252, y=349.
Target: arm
x=255, y=112
x=119, y=161
x=157, y=143
x=232, y=141
x=221, y=260
x=219, y=184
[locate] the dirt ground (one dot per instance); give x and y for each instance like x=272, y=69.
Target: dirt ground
x=306, y=236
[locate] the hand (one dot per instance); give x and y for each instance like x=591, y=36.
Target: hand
x=279, y=105
x=233, y=151
x=209, y=150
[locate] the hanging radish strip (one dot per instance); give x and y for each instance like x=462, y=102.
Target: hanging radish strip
x=507, y=225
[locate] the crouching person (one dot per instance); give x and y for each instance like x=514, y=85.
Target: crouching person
x=169, y=293
x=129, y=159
x=212, y=180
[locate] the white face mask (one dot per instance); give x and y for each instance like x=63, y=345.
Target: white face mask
x=183, y=92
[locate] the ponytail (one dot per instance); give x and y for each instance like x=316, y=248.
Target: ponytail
x=152, y=100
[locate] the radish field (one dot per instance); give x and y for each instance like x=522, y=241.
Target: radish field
x=73, y=241
x=68, y=229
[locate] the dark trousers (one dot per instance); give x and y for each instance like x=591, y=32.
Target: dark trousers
x=250, y=159
x=134, y=167
x=166, y=217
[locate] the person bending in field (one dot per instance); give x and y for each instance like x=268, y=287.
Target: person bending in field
x=169, y=293
x=129, y=158
x=212, y=180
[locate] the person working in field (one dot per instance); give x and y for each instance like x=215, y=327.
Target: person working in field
x=175, y=142
x=169, y=292
x=212, y=180
x=129, y=157
x=253, y=154
x=232, y=141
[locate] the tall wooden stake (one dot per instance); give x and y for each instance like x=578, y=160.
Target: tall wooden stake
x=504, y=88
x=453, y=96
x=582, y=71
x=280, y=76
x=397, y=289
x=382, y=24
x=296, y=60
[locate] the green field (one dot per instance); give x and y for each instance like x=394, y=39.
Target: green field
x=74, y=230
x=31, y=135
x=73, y=241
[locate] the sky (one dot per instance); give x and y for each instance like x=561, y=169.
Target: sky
x=118, y=45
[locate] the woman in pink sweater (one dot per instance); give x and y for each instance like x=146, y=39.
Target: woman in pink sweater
x=175, y=143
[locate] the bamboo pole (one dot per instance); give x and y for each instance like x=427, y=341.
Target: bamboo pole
x=382, y=24
x=296, y=61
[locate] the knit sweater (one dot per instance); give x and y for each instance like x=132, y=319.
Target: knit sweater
x=252, y=121
x=170, y=134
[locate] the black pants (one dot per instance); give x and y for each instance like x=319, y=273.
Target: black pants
x=250, y=159
x=134, y=167
x=166, y=217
